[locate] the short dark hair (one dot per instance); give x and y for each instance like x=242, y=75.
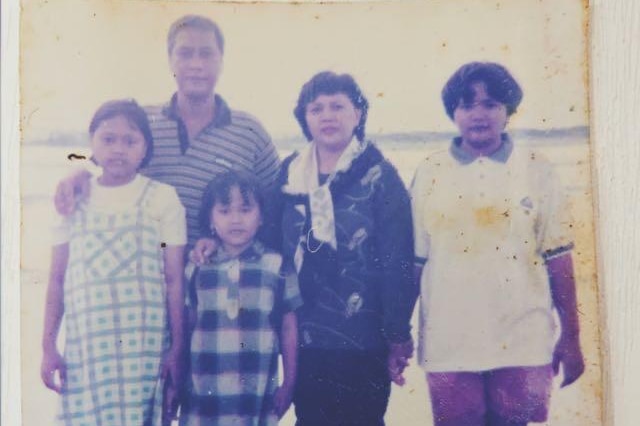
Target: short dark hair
x=135, y=115
x=330, y=83
x=500, y=85
x=197, y=22
x=219, y=191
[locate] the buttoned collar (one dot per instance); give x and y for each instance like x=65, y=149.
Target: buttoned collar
x=501, y=154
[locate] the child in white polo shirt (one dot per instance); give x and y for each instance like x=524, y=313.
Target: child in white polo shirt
x=494, y=256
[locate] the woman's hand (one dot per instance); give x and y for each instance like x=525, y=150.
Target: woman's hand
x=203, y=250
x=398, y=360
x=52, y=361
x=282, y=399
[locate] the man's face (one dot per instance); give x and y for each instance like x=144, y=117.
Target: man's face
x=196, y=62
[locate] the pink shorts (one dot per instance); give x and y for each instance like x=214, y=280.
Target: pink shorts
x=515, y=394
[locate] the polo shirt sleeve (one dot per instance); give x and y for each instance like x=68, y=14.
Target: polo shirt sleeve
x=554, y=222
x=418, y=194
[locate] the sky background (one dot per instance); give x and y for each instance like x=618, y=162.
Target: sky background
x=77, y=54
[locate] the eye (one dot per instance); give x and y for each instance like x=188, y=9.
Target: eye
x=337, y=107
x=108, y=139
x=184, y=53
x=314, y=109
x=466, y=106
x=206, y=54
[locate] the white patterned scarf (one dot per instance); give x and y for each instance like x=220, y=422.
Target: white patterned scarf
x=304, y=180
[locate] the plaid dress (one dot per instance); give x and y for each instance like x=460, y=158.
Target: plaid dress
x=114, y=299
x=234, y=346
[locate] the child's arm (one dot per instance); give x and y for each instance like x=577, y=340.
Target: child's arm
x=173, y=273
x=563, y=290
x=52, y=361
x=289, y=348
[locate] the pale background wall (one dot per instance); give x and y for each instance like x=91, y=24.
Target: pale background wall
x=615, y=134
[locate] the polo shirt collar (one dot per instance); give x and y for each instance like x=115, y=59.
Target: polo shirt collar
x=463, y=156
x=221, y=117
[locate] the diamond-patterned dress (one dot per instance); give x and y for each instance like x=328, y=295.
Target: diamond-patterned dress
x=115, y=318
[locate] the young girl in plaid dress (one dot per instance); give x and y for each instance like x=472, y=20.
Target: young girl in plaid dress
x=117, y=278
x=243, y=304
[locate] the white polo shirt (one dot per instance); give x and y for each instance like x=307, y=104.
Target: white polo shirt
x=485, y=227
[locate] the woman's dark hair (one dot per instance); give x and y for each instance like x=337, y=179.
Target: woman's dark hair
x=219, y=191
x=500, y=85
x=330, y=83
x=135, y=115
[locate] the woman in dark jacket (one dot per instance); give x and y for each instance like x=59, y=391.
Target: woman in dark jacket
x=347, y=229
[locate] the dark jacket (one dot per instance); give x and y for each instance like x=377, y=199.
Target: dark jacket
x=360, y=296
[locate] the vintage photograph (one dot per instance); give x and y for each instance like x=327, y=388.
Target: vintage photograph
x=351, y=213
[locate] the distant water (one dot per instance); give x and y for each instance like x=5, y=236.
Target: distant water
x=44, y=166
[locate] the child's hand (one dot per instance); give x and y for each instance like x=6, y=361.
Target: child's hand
x=202, y=251
x=282, y=399
x=567, y=352
x=398, y=360
x=170, y=403
x=172, y=367
x=52, y=361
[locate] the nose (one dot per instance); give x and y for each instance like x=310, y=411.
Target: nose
x=118, y=147
x=478, y=112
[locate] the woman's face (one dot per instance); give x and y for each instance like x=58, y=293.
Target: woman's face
x=481, y=121
x=331, y=120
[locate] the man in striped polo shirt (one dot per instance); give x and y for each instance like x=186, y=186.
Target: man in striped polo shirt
x=196, y=135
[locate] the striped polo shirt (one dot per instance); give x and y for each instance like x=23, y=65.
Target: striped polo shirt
x=234, y=140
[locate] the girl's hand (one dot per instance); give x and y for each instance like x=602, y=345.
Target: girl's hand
x=202, y=251
x=170, y=403
x=282, y=399
x=52, y=361
x=172, y=367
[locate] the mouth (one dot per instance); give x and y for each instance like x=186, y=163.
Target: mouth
x=117, y=162
x=329, y=130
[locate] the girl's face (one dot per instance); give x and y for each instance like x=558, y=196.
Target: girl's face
x=236, y=223
x=119, y=148
x=481, y=121
x=331, y=120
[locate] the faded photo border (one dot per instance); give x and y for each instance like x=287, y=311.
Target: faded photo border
x=400, y=53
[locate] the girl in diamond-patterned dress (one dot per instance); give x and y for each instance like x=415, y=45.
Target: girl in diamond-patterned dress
x=116, y=278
